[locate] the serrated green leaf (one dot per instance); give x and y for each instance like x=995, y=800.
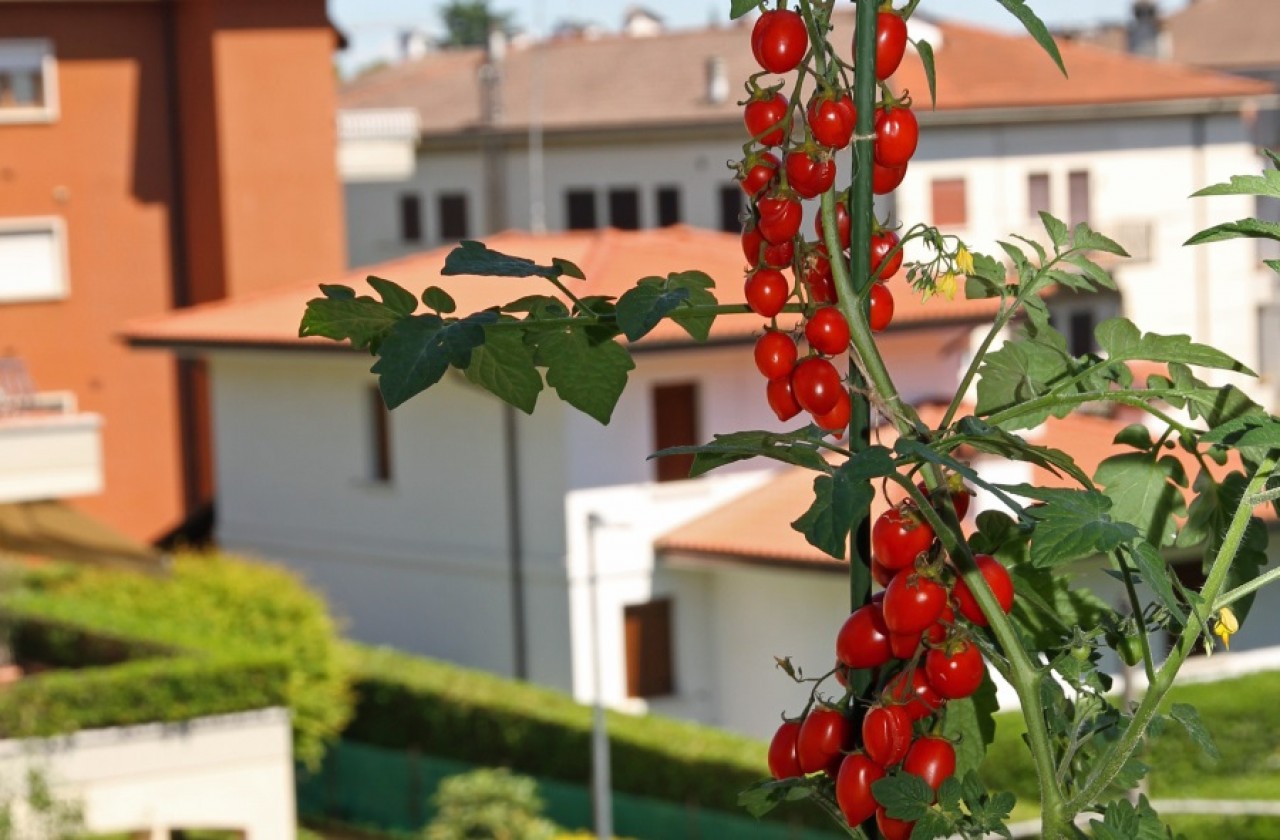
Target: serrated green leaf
x=914, y=450
x=1189, y=717
x=438, y=300
x=1036, y=29
x=567, y=268
x=504, y=366
x=1157, y=575
x=361, y=320
x=1021, y=370
x=1136, y=435
x=1122, y=341
x=699, y=285
x=538, y=306
x=984, y=437
x=930, y=826
x=1261, y=432
x=1095, y=272
x=1239, y=229
x=738, y=8
x=925, y=51
x=1085, y=238
x=590, y=377
x=1074, y=524
x=419, y=349
x=1145, y=493
x=476, y=259
x=904, y=796
x=839, y=500
x=1266, y=184
x=970, y=725
x=1212, y=508
x=950, y=793
x=763, y=797
x=797, y=447
x=397, y=298
x=1057, y=230
x=642, y=307
x=336, y=291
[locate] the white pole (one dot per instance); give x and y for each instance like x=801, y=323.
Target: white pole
x=601, y=795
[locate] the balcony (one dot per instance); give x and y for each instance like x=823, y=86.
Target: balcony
x=48, y=449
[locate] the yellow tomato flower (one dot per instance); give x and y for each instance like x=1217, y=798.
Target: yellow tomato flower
x=1225, y=625
x=964, y=260
x=946, y=284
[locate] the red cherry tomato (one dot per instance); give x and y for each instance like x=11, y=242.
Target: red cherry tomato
x=882, y=244
x=837, y=419
x=955, y=670
x=912, y=602
x=897, y=134
x=937, y=632
x=766, y=291
x=891, y=43
x=844, y=225
x=958, y=491
x=823, y=737
x=775, y=354
x=885, y=179
x=758, y=172
x=764, y=118
x=893, y=829
x=904, y=645
x=827, y=331
x=899, y=536
x=886, y=734
x=880, y=314
x=853, y=787
x=832, y=120
x=780, y=218
x=808, y=175
x=880, y=573
x=781, y=398
x=912, y=691
x=863, y=640
x=817, y=276
x=783, y=762
x=932, y=759
x=779, y=40
x=998, y=579
x=817, y=385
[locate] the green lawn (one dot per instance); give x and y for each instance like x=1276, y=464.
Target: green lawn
x=1243, y=715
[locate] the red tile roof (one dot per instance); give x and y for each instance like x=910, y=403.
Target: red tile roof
x=611, y=259
x=1230, y=34
x=631, y=82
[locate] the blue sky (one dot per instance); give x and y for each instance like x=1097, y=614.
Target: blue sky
x=371, y=25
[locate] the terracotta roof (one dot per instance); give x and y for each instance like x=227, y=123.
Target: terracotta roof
x=1231, y=34
x=755, y=528
x=619, y=81
x=612, y=260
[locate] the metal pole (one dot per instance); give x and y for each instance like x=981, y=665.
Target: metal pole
x=601, y=794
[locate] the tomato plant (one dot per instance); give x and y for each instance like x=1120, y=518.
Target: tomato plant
x=921, y=650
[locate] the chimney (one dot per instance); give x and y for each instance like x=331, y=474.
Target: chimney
x=414, y=44
x=717, y=81
x=1144, y=29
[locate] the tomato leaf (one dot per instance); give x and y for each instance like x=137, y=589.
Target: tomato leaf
x=1122, y=341
x=699, y=285
x=567, y=269
x=925, y=51
x=987, y=438
x=1085, y=238
x=1144, y=492
x=798, y=448
x=970, y=725
x=1189, y=717
x=1208, y=517
x=1074, y=524
x=420, y=348
x=1266, y=184
x=839, y=499
x=1156, y=575
x=761, y=798
x=1021, y=370
x=504, y=366
x=399, y=299
x=438, y=300
x=477, y=259
x=905, y=796
x=1036, y=28
x=590, y=377
x=738, y=8
x=1123, y=821
x=1096, y=273
x=642, y=307
x=1239, y=229
x=1058, y=232
x=361, y=320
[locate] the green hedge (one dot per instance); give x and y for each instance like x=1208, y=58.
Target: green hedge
x=243, y=635
x=409, y=702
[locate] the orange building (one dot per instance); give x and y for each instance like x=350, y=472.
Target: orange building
x=156, y=154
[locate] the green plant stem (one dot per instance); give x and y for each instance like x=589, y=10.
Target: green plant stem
x=1114, y=759
x=1136, y=399
x=1228, y=598
x=1136, y=606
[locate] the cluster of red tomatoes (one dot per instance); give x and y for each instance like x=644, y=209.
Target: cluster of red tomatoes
x=915, y=638
x=791, y=158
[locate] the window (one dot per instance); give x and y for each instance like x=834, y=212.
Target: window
x=731, y=208
x=624, y=208
x=668, y=206
x=1077, y=198
x=949, y=205
x=28, y=86
x=32, y=259
x=379, y=437
x=452, y=210
x=675, y=423
x=1039, y=199
x=647, y=634
x=410, y=218
x=580, y=208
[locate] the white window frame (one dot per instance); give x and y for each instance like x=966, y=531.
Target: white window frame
x=41, y=224
x=48, y=112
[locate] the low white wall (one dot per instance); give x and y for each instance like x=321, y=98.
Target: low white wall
x=226, y=772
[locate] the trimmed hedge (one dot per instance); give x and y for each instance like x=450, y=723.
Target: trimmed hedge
x=243, y=635
x=409, y=702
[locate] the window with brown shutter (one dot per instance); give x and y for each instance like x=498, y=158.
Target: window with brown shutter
x=949, y=206
x=1038, y=195
x=624, y=208
x=379, y=438
x=675, y=423
x=1077, y=198
x=647, y=634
